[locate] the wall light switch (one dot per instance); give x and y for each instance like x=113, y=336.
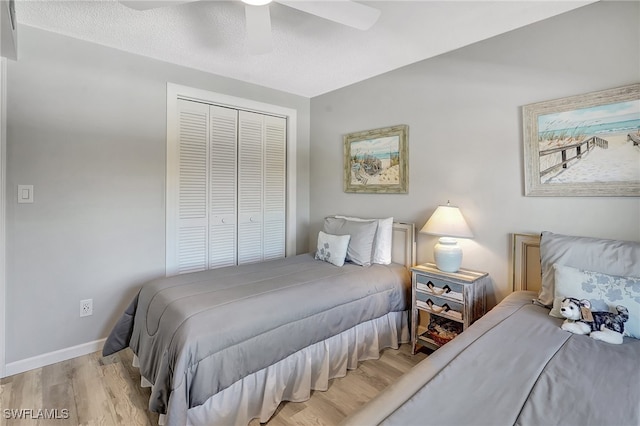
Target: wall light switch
x=25, y=193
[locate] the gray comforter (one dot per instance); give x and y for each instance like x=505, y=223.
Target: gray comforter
x=516, y=366
x=196, y=334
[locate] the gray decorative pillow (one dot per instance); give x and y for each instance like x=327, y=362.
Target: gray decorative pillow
x=610, y=257
x=360, y=250
x=332, y=248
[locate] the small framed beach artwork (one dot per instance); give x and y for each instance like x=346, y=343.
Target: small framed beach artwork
x=376, y=161
x=586, y=145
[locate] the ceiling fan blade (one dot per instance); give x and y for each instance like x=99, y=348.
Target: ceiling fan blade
x=258, y=23
x=345, y=12
x=152, y=4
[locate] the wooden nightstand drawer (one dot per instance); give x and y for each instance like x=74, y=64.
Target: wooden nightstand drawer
x=441, y=306
x=438, y=287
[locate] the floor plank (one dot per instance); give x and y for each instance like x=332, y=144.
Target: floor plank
x=26, y=392
x=106, y=391
x=58, y=395
x=91, y=397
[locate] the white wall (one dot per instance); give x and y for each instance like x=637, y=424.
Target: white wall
x=87, y=128
x=465, y=136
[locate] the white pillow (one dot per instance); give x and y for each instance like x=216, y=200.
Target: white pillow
x=604, y=292
x=360, y=250
x=382, y=241
x=332, y=248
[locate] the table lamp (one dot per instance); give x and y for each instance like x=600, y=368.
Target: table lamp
x=448, y=223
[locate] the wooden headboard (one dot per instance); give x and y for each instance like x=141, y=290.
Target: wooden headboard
x=403, y=244
x=526, y=262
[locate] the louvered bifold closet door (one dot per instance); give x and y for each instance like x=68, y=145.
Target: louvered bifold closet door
x=226, y=188
x=222, y=186
x=275, y=166
x=192, y=171
x=250, y=193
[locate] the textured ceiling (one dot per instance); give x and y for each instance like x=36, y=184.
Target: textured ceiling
x=311, y=56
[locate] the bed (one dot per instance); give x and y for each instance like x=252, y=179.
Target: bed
x=516, y=365
x=227, y=345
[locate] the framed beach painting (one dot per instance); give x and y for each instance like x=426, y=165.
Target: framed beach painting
x=376, y=161
x=586, y=145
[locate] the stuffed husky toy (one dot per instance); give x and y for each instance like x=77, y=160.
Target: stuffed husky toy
x=605, y=326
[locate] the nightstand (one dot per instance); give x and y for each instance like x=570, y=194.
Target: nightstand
x=443, y=304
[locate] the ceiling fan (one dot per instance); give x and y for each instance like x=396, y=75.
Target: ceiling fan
x=258, y=19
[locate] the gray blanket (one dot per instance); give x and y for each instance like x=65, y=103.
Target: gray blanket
x=515, y=366
x=196, y=334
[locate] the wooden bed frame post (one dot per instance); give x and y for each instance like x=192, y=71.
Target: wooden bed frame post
x=526, y=272
x=403, y=246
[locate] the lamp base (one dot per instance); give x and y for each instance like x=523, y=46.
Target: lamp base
x=447, y=254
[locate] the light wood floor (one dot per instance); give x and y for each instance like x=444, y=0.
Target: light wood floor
x=106, y=391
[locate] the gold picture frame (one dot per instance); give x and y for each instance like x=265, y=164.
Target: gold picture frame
x=585, y=145
x=376, y=161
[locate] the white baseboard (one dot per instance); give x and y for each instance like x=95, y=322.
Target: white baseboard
x=38, y=361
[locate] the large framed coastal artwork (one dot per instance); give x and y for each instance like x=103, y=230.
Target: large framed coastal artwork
x=376, y=161
x=586, y=145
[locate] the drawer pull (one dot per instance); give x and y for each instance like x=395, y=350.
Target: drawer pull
x=436, y=290
x=437, y=309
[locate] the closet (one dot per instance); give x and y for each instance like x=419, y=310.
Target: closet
x=226, y=187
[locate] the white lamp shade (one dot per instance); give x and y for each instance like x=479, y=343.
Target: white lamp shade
x=447, y=221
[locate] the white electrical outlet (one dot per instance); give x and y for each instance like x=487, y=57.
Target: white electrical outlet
x=86, y=307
